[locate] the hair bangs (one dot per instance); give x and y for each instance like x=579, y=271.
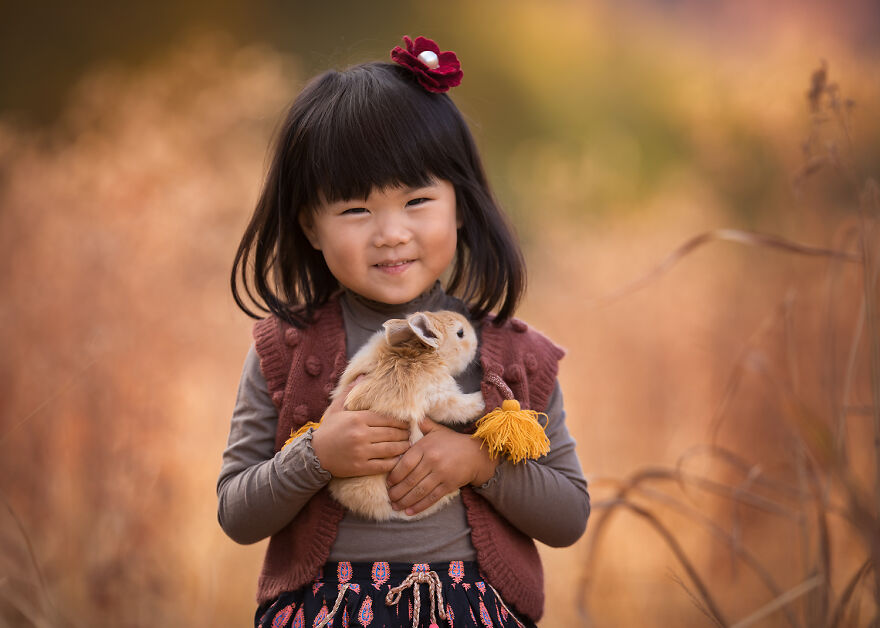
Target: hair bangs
x=375, y=132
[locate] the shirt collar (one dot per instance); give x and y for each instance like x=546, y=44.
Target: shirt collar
x=370, y=315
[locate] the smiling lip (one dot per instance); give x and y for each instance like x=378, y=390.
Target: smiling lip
x=394, y=268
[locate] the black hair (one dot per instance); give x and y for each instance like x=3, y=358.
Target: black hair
x=370, y=126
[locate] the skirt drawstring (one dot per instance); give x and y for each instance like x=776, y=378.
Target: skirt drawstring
x=435, y=591
x=342, y=591
x=380, y=593
x=510, y=612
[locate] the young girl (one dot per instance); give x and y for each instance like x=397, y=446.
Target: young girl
x=375, y=193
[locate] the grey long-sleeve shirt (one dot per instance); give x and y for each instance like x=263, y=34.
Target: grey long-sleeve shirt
x=260, y=491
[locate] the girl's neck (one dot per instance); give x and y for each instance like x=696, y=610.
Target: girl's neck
x=371, y=314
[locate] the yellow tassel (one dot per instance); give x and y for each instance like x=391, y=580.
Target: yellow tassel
x=302, y=430
x=514, y=432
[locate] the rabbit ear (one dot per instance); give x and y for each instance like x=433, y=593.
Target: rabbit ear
x=424, y=329
x=397, y=330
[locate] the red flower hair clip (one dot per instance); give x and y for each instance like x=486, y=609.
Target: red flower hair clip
x=436, y=71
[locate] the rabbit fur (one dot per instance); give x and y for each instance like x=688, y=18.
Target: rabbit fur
x=407, y=372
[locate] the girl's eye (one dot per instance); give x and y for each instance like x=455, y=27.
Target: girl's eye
x=417, y=201
x=354, y=210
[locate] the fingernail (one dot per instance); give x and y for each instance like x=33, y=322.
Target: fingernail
x=410, y=511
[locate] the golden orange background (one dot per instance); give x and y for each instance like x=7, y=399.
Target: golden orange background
x=735, y=388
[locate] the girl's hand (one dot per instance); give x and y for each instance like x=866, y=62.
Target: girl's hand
x=353, y=443
x=441, y=462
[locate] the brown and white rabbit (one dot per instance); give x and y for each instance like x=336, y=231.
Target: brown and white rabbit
x=408, y=373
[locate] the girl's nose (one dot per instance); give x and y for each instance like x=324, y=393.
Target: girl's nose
x=391, y=231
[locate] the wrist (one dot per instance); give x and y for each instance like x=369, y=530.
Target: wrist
x=317, y=448
x=486, y=467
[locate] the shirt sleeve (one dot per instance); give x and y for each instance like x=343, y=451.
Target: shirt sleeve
x=546, y=499
x=260, y=491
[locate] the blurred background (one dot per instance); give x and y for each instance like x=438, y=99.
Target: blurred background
x=723, y=409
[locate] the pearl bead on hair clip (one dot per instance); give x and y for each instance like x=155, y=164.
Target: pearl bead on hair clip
x=430, y=59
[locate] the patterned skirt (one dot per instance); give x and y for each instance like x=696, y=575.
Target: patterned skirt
x=392, y=595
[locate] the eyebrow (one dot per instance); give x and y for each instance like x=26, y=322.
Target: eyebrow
x=414, y=188
x=410, y=189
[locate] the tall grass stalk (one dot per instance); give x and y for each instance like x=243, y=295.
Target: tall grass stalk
x=825, y=491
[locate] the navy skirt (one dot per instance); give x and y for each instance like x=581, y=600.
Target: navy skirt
x=392, y=595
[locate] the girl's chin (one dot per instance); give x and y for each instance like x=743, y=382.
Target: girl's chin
x=397, y=297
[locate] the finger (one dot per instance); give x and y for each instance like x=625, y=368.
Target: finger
x=377, y=466
x=388, y=450
x=374, y=419
x=412, y=488
x=421, y=492
x=429, y=500
x=407, y=462
x=388, y=434
x=428, y=424
x=337, y=404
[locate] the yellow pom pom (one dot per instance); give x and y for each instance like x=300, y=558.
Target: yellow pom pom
x=514, y=432
x=302, y=430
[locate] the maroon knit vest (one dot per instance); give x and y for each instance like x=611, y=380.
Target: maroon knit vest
x=302, y=366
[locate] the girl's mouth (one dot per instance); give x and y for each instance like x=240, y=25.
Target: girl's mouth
x=394, y=268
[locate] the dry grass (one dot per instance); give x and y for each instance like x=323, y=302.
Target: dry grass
x=801, y=535
x=118, y=338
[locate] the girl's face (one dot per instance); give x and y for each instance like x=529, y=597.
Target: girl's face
x=392, y=247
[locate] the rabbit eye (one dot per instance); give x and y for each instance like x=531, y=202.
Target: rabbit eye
x=461, y=333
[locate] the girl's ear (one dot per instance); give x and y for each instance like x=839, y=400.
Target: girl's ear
x=397, y=330
x=424, y=329
x=308, y=226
